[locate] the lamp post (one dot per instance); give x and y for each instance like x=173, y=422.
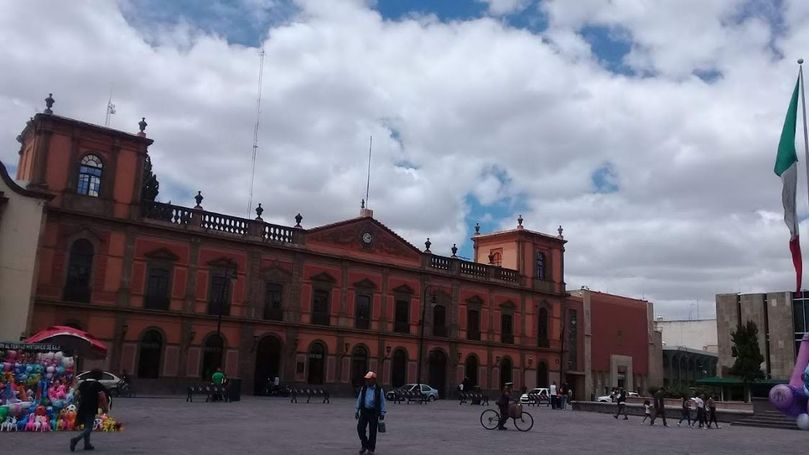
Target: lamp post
x=421, y=334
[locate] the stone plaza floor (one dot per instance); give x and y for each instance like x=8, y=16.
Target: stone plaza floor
x=274, y=426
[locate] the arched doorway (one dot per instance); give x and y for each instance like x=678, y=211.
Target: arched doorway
x=212, y=354
x=399, y=368
x=151, y=349
x=542, y=374
x=471, y=370
x=438, y=371
x=359, y=365
x=505, y=371
x=317, y=363
x=268, y=364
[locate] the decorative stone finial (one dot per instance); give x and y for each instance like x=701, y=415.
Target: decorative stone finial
x=49, y=104
x=427, y=245
x=362, y=203
x=259, y=211
x=560, y=232
x=477, y=228
x=454, y=250
x=298, y=219
x=199, y=199
x=142, y=125
x=519, y=222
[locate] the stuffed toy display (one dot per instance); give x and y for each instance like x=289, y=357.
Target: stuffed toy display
x=36, y=393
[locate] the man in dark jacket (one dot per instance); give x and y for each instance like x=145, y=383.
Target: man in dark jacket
x=502, y=404
x=621, y=404
x=92, y=395
x=369, y=411
x=660, y=406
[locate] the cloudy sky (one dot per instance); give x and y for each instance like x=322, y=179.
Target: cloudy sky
x=647, y=130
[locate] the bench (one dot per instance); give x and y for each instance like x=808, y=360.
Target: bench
x=309, y=393
x=473, y=398
x=211, y=391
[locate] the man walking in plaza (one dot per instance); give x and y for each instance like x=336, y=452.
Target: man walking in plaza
x=621, y=404
x=92, y=395
x=370, y=410
x=554, y=397
x=660, y=406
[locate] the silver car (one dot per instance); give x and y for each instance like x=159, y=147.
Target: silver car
x=108, y=380
x=426, y=390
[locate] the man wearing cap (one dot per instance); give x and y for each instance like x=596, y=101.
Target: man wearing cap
x=369, y=411
x=502, y=403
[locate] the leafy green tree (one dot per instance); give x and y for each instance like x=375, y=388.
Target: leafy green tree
x=151, y=187
x=747, y=365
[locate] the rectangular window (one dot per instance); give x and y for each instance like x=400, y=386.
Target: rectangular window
x=158, y=288
x=402, y=321
x=473, y=325
x=219, y=293
x=507, y=328
x=572, y=336
x=363, y=312
x=320, y=308
x=273, y=310
x=540, y=271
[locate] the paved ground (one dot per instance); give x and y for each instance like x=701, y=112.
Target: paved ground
x=273, y=426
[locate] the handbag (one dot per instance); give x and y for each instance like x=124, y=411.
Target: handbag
x=381, y=427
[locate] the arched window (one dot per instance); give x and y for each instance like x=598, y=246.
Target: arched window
x=90, y=176
x=79, y=269
x=542, y=328
x=471, y=370
x=439, y=321
x=213, y=351
x=542, y=374
x=317, y=363
x=399, y=368
x=505, y=371
x=151, y=350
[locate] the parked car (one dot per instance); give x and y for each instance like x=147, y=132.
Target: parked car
x=431, y=393
x=108, y=380
x=610, y=398
x=542, y=392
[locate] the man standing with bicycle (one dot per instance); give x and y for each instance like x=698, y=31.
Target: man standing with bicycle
x=502, y=404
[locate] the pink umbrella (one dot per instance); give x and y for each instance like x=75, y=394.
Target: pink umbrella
x=78, y=341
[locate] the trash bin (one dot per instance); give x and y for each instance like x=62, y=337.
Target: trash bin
x=235, y=389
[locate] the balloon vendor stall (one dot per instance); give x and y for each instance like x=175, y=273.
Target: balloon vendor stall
x=37, y=382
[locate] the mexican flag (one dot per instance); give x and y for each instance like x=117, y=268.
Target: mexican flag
x=786, y=167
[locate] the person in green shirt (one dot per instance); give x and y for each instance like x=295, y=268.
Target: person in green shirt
x=218, y=377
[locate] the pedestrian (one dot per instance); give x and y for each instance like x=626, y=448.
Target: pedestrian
x=502, y=404
x=554, y=397
x=621, y=404
x=92, y=395
x=686, y=410
x=711, y=407
x=660, y=406
x=700, y=411
x=370, y=410
x=563, y=395
x=218, y=378
x=647, y=411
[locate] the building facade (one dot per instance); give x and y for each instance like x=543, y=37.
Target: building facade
x=621, y=347
x=21, y=219
x=683, y=367
x=178, y=291
x=782, y=319
x=697, y=335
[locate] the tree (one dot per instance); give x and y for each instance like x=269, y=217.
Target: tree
x=151, y=187
x=747, y=365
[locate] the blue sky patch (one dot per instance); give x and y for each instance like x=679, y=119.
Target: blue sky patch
x=489, y=216
x=708, y=76
x=445, y=10
x=609, y=45
x=605, y=179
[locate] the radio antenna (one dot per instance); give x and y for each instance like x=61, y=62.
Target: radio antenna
x=255, y=131
x=368, y=180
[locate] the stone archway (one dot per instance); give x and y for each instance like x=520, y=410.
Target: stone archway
x=268, y=364
x=359, y=365
x=505, y=371
x=471, y=369
x=438, y=371
x=399, y=368
x=317, y=364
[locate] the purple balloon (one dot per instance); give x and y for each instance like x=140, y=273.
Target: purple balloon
x=787, y=399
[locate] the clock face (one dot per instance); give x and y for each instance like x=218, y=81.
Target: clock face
x=367, y=238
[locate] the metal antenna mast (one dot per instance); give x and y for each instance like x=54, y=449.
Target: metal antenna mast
x=368, y=180
x=110, y=109
x=255, y=130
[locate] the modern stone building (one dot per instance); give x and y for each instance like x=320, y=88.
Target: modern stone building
x=698, y=335
x=178, y=291
x=21, y=218
x=781, y=318
x=620, y=344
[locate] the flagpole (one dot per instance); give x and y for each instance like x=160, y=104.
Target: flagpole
x=805, y=134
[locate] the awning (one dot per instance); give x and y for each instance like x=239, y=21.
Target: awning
x=733, y=380
x=78, y=341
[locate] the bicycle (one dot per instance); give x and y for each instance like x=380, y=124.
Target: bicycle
x=490, y=418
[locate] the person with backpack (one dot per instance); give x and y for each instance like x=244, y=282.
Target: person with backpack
x=370, y=411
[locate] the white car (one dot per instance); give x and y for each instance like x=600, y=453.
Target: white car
x=108, y=380
x=609, y=398
x=542, y=392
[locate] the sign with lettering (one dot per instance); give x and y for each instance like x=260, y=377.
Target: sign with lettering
x=37, y=347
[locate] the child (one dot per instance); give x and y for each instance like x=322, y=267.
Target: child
x=647, y=411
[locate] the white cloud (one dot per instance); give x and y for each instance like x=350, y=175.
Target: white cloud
x=504, y=7
x=695, y=211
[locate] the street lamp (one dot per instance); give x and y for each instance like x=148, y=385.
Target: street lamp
x=421, y=335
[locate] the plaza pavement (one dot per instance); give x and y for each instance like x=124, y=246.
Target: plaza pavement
x=274, y=426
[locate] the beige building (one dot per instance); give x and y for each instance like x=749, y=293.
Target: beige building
x=697, y=335
x=21, y=218
x=781, y=318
